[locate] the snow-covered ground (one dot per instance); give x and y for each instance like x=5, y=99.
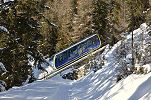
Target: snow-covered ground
x=134, y=87
x=101, y=85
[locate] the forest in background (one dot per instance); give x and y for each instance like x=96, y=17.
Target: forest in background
x=43, y=27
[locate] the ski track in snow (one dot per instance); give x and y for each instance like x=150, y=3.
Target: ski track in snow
x=41, y=90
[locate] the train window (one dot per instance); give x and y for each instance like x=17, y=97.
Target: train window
x=76, y=51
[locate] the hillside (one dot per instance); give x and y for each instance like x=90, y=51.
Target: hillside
x=102, y=84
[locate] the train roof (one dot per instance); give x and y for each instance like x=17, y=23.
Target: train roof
x=75, y=44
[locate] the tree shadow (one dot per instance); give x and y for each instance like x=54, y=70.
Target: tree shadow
x=143, y=89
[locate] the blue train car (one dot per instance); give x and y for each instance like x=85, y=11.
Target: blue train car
x=76, y=51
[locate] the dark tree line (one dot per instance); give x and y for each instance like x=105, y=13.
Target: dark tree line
x=22, y=19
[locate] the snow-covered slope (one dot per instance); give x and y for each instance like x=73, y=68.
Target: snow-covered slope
x=101, y=85
x=134, y=87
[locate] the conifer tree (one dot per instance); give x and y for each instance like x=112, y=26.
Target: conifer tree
x=100, y=14
x=22, y=21
x=104, y=20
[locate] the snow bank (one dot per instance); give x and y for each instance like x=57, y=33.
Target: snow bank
x=134, y=87
x=2, y=68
